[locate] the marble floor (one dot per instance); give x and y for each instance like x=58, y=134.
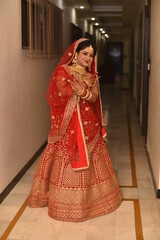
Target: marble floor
x=137, y=218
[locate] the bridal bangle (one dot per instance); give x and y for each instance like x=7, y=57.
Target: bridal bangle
x=87, y=96
x=90, y=96
x=83, y=93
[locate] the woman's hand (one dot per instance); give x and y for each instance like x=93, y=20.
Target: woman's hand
x=91, y=79
x=77, y=87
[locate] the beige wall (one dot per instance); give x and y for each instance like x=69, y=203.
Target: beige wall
x=24, y=113
x=69, y=16
x=153, y=140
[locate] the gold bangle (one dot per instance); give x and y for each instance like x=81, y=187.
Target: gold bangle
x=90, y=96
x=84, y=93
x=87, y=94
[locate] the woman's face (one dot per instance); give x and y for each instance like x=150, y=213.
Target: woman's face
x=85, y=57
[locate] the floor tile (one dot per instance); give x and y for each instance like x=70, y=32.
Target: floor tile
x=125, y=233
x=22, y=230
x=73, y=231
x=100, y=233
x=3, y=225
x=151, y=233
x=7, y=212
x=14, y=199
x=129, y=193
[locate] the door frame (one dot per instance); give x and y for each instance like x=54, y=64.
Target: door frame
x=146, y=70
x=139, y=64
x=132, y=62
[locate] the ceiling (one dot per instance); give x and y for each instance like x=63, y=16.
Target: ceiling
x=117, y=17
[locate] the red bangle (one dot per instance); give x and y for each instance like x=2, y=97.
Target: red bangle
x=85, y=92
x=86, y=95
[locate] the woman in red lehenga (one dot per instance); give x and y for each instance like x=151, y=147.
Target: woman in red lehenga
x=75, y=178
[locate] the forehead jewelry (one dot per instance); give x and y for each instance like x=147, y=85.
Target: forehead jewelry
x=91, y=48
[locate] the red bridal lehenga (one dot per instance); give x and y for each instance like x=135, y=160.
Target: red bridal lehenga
x=74, y=177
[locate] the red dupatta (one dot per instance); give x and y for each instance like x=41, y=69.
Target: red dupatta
x=64, y=106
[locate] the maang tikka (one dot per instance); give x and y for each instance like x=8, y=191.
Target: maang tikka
x=91, y=48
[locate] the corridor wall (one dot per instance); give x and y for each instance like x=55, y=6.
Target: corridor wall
x=153, y=139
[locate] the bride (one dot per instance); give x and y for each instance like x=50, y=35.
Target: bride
x=74, y=177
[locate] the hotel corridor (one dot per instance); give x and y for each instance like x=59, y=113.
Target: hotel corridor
x=137, y=218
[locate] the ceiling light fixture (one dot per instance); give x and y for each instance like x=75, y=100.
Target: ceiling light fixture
x=101, y=29
x=96, y=24
x=93, y=18
x=106, y=35
x=81, y=7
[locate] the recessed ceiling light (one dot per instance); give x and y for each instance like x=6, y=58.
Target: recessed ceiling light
x=101, y=29
x=81, y=7
x=106, y=35
x=96, y=24
x=93, y=18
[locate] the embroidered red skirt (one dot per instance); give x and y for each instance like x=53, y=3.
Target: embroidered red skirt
x=75, y=195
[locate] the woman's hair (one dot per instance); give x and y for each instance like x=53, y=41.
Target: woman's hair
x=85, y=44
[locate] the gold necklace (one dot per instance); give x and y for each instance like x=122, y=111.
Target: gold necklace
x=79, y=69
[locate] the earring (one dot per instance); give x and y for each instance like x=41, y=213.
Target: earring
x=74, y=61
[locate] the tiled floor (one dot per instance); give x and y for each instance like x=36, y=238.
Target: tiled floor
x=139, y=215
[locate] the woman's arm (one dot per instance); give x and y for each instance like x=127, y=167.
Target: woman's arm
x=88, y=92
x=94, y=93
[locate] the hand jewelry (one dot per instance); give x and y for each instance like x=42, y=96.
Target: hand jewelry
x=86, y=95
